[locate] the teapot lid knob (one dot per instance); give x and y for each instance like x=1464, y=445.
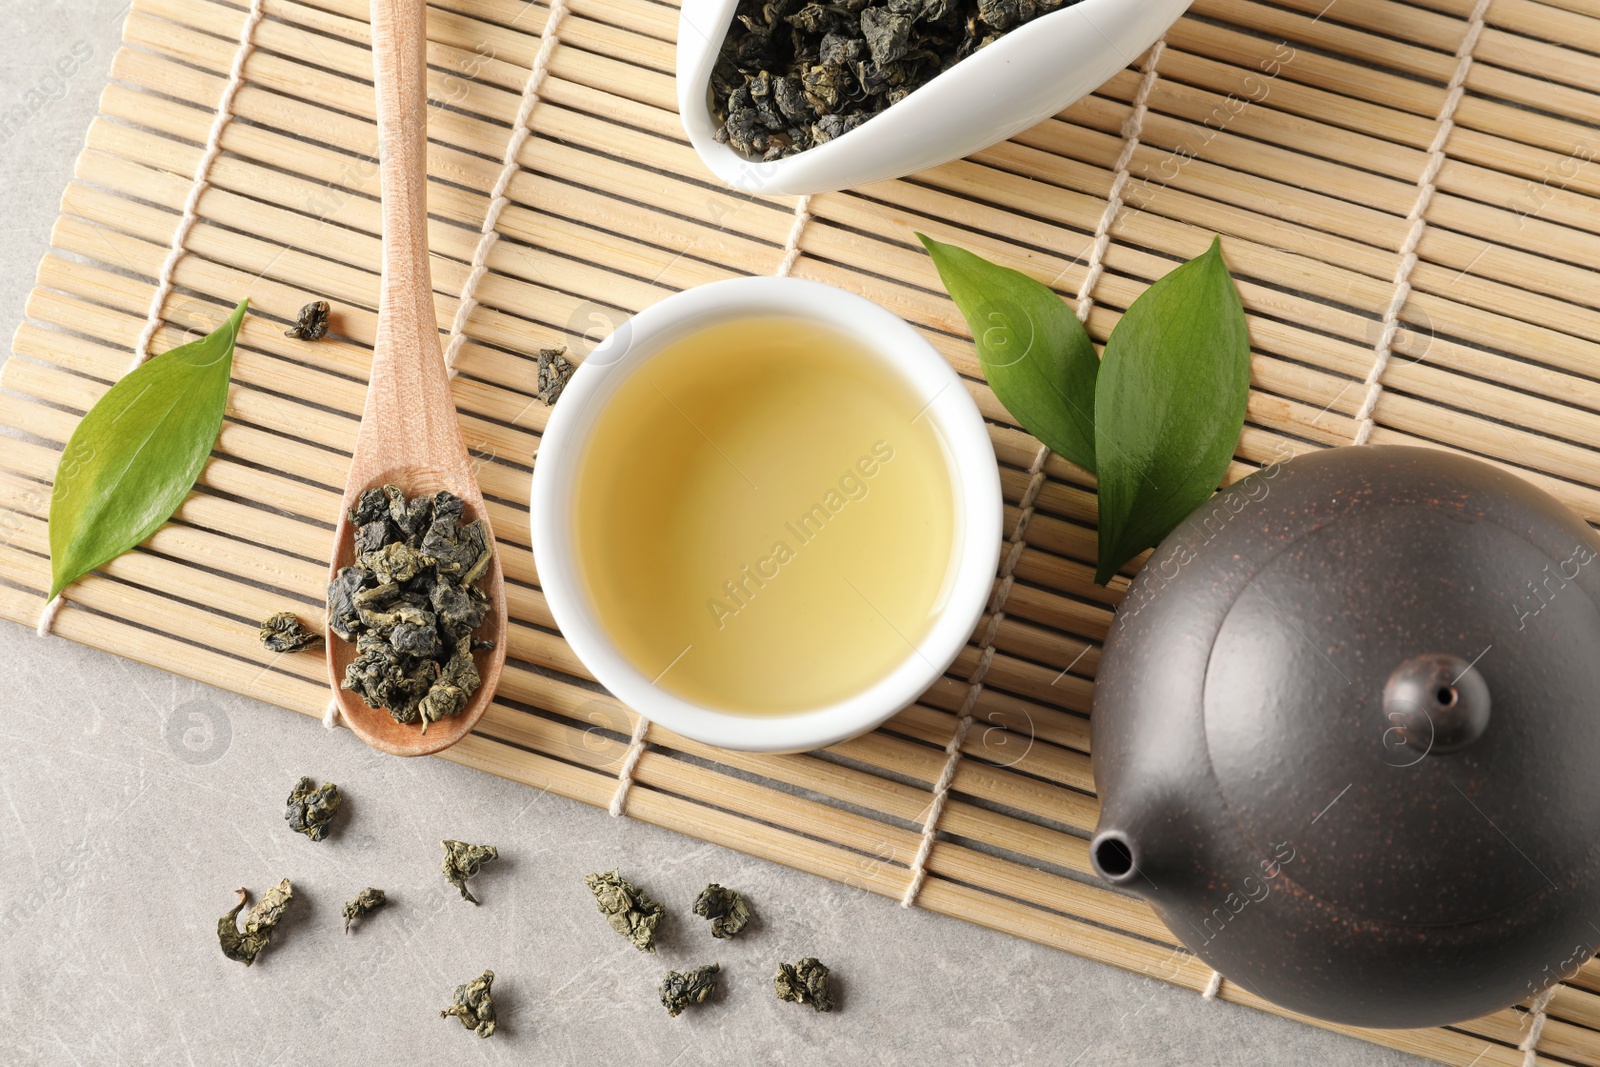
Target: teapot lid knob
x=1435, y=704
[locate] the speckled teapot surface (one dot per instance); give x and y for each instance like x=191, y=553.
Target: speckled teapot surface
x=1346, y=733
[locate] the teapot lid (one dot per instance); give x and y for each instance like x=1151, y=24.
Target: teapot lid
x=1404, y=687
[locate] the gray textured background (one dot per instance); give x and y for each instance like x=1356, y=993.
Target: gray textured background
x=135, y=802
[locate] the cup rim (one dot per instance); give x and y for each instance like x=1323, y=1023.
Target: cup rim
x=974, y=476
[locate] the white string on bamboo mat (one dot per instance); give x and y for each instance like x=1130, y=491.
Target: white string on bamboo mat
x=1213, y=987
x=202, y=172
x=499, y=196
x=630, y=762
x=1132, y=130
x=47, y=617
x=791, y=246
x=186, y=221
x=1536, y=1010
x=952, y=750
x=331, y=715
x=1417, y=222
x=941, y=790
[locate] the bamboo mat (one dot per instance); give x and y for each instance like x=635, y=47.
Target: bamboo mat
x=1300, y=130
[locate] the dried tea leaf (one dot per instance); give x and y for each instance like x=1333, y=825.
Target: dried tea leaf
x=463, y=861
x=284, y=632
x=629, y=911
x=793, y=74
x=554, y=372
x=343, y=617
x=311, y=808
x=473, y=1005
x=135, y=456
x=725, y=908
x=681, y=989
x=804, y=983
x=312, y=322
x=259, y=924
x=410, y=604
x=452, y=689
x=396, y=563
x=363, y=904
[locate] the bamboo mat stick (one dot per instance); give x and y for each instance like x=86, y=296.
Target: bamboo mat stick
x=893, y=798
x=1337, y=119
x=1371, y=39
x=1532, y=213
x=1199, y=105
x=1438, y=31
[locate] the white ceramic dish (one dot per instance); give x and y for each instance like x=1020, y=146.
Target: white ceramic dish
x=1028, y=75
x=975, y=480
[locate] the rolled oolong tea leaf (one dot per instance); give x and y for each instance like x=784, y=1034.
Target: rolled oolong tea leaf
x=410, y=603
x=793, y=74
x=804, y=983
x=245, y=945
x=311, y=808
x=363, y=904
x=284, y=632
x=725, y=908
x=627, y=909
x=680, y=989
x=135, y=456
x=554, y=372
x=473, y=1005
x=463, y=861
x=312, y=322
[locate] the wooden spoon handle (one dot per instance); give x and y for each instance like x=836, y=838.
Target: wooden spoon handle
x=408, y=364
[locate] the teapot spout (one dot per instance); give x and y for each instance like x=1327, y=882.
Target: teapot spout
x=1115, y=856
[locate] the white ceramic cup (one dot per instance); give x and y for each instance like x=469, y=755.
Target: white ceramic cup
x=1025, y=77
x=974, y=479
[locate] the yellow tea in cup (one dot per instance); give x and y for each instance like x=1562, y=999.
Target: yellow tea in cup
x=764, y=518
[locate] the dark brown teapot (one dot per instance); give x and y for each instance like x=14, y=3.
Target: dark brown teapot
x=1346, y=733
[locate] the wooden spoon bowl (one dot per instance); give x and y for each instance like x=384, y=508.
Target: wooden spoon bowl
x=410, y=436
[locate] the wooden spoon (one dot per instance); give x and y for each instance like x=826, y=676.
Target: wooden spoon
x=409, y=436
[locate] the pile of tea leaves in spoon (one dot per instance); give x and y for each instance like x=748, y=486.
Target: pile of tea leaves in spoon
x=410, y=603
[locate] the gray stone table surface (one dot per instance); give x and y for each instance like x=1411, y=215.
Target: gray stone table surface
x=134, y=802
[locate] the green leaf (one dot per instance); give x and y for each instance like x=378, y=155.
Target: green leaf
x=1170, y=402
x=137, y=453
x=1035, y=353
